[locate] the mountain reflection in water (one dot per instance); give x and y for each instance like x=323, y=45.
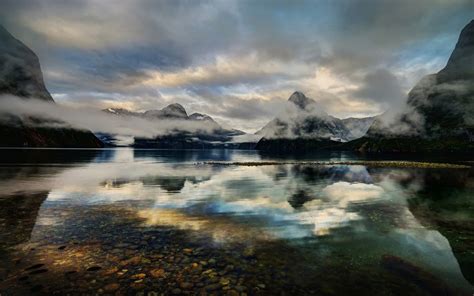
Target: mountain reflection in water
x=413, y=227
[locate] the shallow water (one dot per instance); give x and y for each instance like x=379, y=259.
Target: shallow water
x=124, y=221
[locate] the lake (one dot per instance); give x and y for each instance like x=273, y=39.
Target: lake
x=151, y=222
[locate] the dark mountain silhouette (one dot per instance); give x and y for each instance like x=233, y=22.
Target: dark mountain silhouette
x=440, y=109
x=21, y=76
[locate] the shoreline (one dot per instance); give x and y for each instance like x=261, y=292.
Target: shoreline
x=388, y=164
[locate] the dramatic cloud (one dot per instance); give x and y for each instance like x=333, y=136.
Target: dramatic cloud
x=383, y=87
x=356, y=58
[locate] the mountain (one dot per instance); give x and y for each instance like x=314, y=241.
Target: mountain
x=304, y=126
x=301, y=101
x=439, y=113
x=213, y=135
x=303, y=118
x=21, y=76
x=20, y=71
x=172, y=111
x=201, y=117
x=122, y=112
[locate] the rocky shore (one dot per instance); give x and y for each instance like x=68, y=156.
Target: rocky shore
x=106, y=250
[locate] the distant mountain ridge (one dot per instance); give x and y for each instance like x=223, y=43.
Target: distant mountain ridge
x=171, y=111
x=21, y=76
x=214, y=136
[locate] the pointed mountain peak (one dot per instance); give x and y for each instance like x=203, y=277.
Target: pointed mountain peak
x=468, y=30
x=460, y=65
x=20, y=73
x=300, y=100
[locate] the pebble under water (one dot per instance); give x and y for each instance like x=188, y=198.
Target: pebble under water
x=157, y=222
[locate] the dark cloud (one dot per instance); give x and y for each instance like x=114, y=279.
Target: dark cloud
x=108, y=70
x=383, y=87
x=365, y=33
x=251, y=109
x=233, y=107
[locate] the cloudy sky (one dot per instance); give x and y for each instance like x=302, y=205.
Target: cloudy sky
x=237, y=61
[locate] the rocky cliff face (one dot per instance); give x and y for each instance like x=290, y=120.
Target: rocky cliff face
x=460, y=65
x=446, y=100
x=21, y=76
x=440, y=109
x=20, y=72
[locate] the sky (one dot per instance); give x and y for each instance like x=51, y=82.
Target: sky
x=237, y=61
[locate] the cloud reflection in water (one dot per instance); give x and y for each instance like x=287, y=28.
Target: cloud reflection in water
x=346, y=207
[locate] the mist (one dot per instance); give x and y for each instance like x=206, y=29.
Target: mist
x=312, y=121
x=59, y=116
x=454, y=98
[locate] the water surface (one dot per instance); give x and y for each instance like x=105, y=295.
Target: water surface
x=126, y=221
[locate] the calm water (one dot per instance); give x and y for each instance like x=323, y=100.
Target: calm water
x=153, y=222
